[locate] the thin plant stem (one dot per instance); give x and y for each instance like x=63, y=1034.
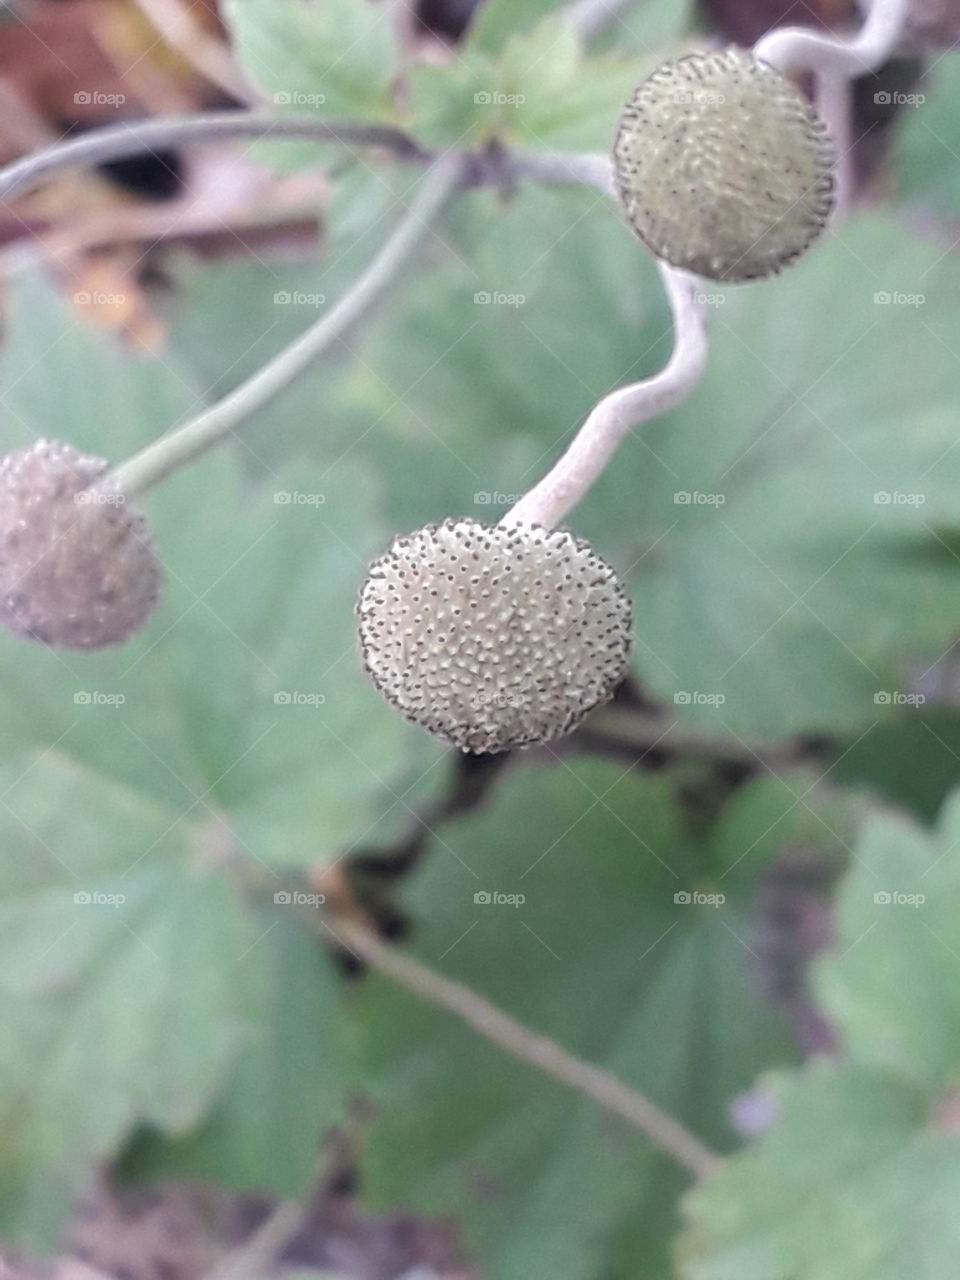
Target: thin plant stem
x=662, y=1129
x=800, y=49
x=580, y=169
x=624, y=409
x=183, y=444
x=121, y=140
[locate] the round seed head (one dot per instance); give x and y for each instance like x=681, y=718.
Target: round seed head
x=494, y=637
x=77, y=568
x=722, y=167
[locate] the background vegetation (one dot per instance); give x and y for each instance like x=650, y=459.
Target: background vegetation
x=740, y=883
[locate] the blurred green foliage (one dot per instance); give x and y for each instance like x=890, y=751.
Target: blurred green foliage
x=790, y=538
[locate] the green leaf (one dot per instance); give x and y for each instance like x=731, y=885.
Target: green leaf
x=928, y=139
x=640, y=29
x=849, y=1183
x=550, y=96
x=333, y=57
x=910, y=761
x=649, y=27
x=540, y=93
x=786, y=589
x=498, y=20
x=860, y=1172
x=601, y=956
x=243, y=701
x=265, y=1130
x=237, y=726
x=122, y=993
x=893, y=989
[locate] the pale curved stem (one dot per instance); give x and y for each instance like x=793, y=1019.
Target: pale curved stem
x=119, y=141
x=185, y=443
x=660, y=1128
x=799, y=49
x=620, y=412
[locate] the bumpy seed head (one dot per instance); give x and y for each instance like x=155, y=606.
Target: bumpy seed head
x=76, y=565
x=493, y=637
x=722, y=167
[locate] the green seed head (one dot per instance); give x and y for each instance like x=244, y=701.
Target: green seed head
x=492, y=637
x=77, y=569
x=722, y=167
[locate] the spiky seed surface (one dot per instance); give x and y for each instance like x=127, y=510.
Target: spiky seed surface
x=492, y=637
x=722, y=167
x=76, y=565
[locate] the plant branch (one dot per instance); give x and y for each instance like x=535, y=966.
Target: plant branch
x=121, y=140
x=624, y=409
x=537, y=1051
x=187, y=442
x=583, y=169
x=800, y=49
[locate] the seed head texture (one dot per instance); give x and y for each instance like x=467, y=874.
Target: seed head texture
x=722, y=167
x=494, y=637
x=77, y=569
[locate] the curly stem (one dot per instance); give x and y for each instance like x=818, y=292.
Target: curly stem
x=799, y=49
x=187, y=442
x=618, y=413
x=130, y=138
